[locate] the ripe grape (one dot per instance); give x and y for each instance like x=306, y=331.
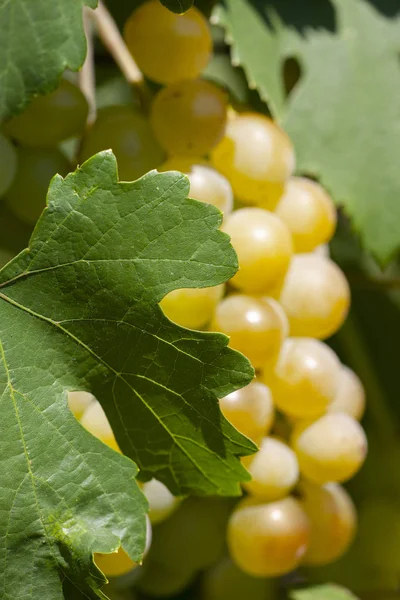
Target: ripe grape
x=161, y=502
x=254, y=325
x=304, y=379
x=257, y=157
x=206, y=184
x=78, y=402
x=315, y=296
x=95, y=421
x=192, y=307
x=26, y=197
x=350, y=396
x=225, y=581
x=159, y=580
x=333, y=448
x=189, y=117
x=333, y=520
x=309, y=213
x=168, y=47
x=263, y=244
x=274, y=470
x=130, y=137
x=8, y=164
x=268, y=539
x=51, y=119
x=250, y=410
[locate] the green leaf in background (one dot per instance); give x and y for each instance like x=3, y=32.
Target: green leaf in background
x=323, y=592
x=343, y=114
x=39, y=40
x=177, y=6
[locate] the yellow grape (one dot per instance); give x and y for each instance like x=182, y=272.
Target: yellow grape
x=333, y=520
x=168, y=47
x=254, y=325
x=78, y=402
x=333, y=448
x=263, y=244
x=268, y=539
x=225, y=581
x=315, y=296
x=274, y=470
x=95, y=421
x=192, y=307
x=309, y=213
x=250, y=410
x=350, y=396
x=304, y=379
x=257, y=157
x=161, y=502
x=189, y=117
x=129, y=135
x=206, y=184
x=159, y=580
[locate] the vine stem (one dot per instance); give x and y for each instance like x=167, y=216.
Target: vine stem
x=87, y=78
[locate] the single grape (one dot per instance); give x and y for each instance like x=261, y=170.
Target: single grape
x=268, y=539
x=257, y=157
x=315, y=296
x=188, y=117
x=274, y=470
x=192, y=307
x=26, y=197
x=94, y=419
x=159, y=580
x=8, y=164
x=254, y=326
x=78, y=402
x=350, y=396
x=206, y=184
x=250, y=410
x=263, y=244
x=304, y=380
x=161, y=502
x=130, y=137
x=225, y=581
x=333, y=448
x=309, y=213
x=168, y=47
x=333, y=521
x=51, y=119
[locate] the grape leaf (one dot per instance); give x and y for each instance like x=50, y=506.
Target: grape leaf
x=343, y=113
x=177, y=6
x=39, y=40
x=79, y=310
x=323, y=592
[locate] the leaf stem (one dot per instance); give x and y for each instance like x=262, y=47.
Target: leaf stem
x=87, y=77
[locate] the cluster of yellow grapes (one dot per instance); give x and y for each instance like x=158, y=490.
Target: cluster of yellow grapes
x=286, y=297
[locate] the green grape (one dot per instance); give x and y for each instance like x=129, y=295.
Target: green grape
x=168, y=47
x=263, y=244
x=254, y=325
x=26, y=197
x=51, y=119
x=309, y=213
x=78, y=402
x=192, y=307
x=304, y=380
x=333, y=448
x=161, y=502
x=8, y=164
x=225, y=581
x=274, y=470
x=350, y=396
x=315, y=296
x=257, y=157
x=129, y=136
x=333, y=520
x=159, y=580
x=268, y=539
x=189, y=117
x=94, y=419
x=250, y=409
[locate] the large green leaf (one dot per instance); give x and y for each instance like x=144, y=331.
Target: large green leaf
x=323, y=592
x=79, y=310
x=343, y=114
x=39, y=40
